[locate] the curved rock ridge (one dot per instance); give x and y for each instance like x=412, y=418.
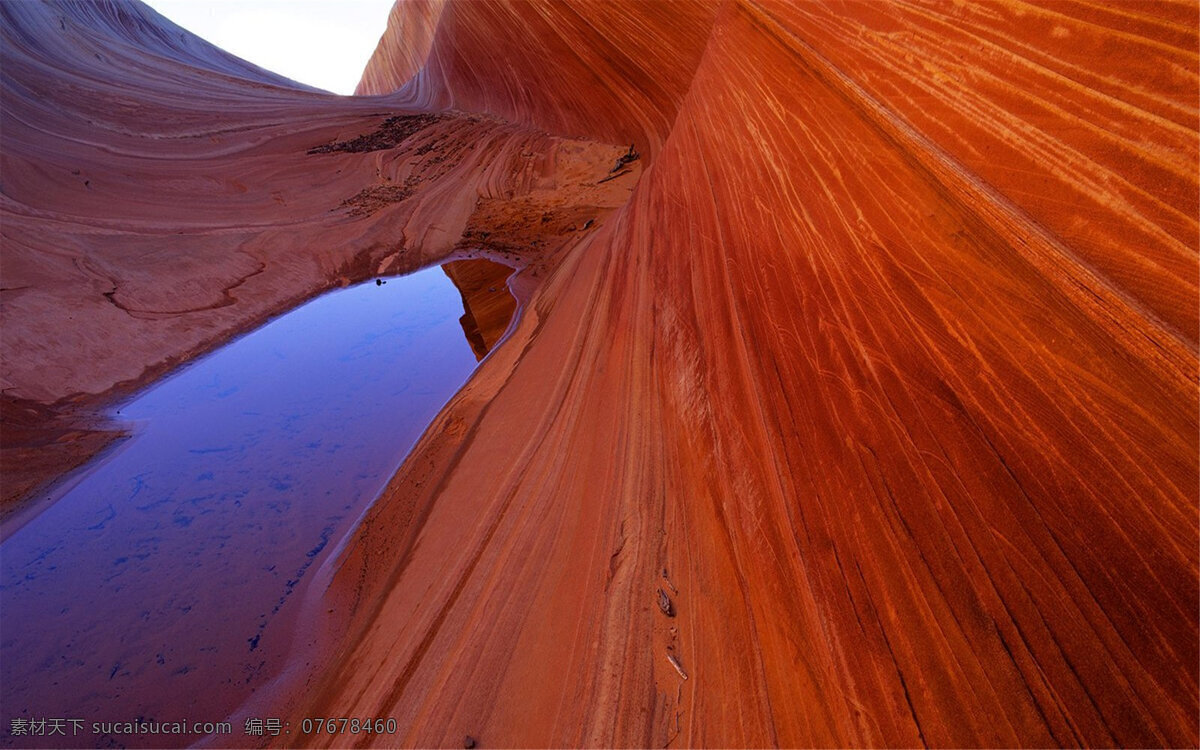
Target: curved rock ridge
x=160, y=196
x=871, y=419
x=866, y=414
x=403, y=48
x=96, y=36
x=616, y=71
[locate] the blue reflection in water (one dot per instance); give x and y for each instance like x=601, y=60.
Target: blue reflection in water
x=149, y=589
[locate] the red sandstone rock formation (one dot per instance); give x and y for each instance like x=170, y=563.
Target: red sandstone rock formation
x=616, y=71
x=885, y=375
x=409, y=36
x=159, y=197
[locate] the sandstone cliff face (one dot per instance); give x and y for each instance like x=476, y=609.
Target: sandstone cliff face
x=614, y=71
x=884, y=376
x=161, y=196
x=409, y=35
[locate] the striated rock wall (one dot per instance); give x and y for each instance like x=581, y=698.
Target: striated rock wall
x=885, y=377
x=613, y=70
x=403, y=48
x=869, y=416
x=160, y=196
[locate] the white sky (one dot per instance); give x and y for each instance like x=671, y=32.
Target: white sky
x=324, y=43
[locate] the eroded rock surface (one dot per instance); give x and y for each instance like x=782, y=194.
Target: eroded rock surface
x=888, y=368
x=885, y=374
x=160, y=196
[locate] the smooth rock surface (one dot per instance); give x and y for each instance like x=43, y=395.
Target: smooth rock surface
x=885, y=371
x=160, y=196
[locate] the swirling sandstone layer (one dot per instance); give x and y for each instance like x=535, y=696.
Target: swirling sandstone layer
x=616, y=71
x=869, y=418
x=160, y=196
x=409, y=32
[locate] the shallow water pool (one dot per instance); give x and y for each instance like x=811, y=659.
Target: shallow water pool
x=153, y=588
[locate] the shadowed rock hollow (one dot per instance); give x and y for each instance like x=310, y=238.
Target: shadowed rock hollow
x=880, y=365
